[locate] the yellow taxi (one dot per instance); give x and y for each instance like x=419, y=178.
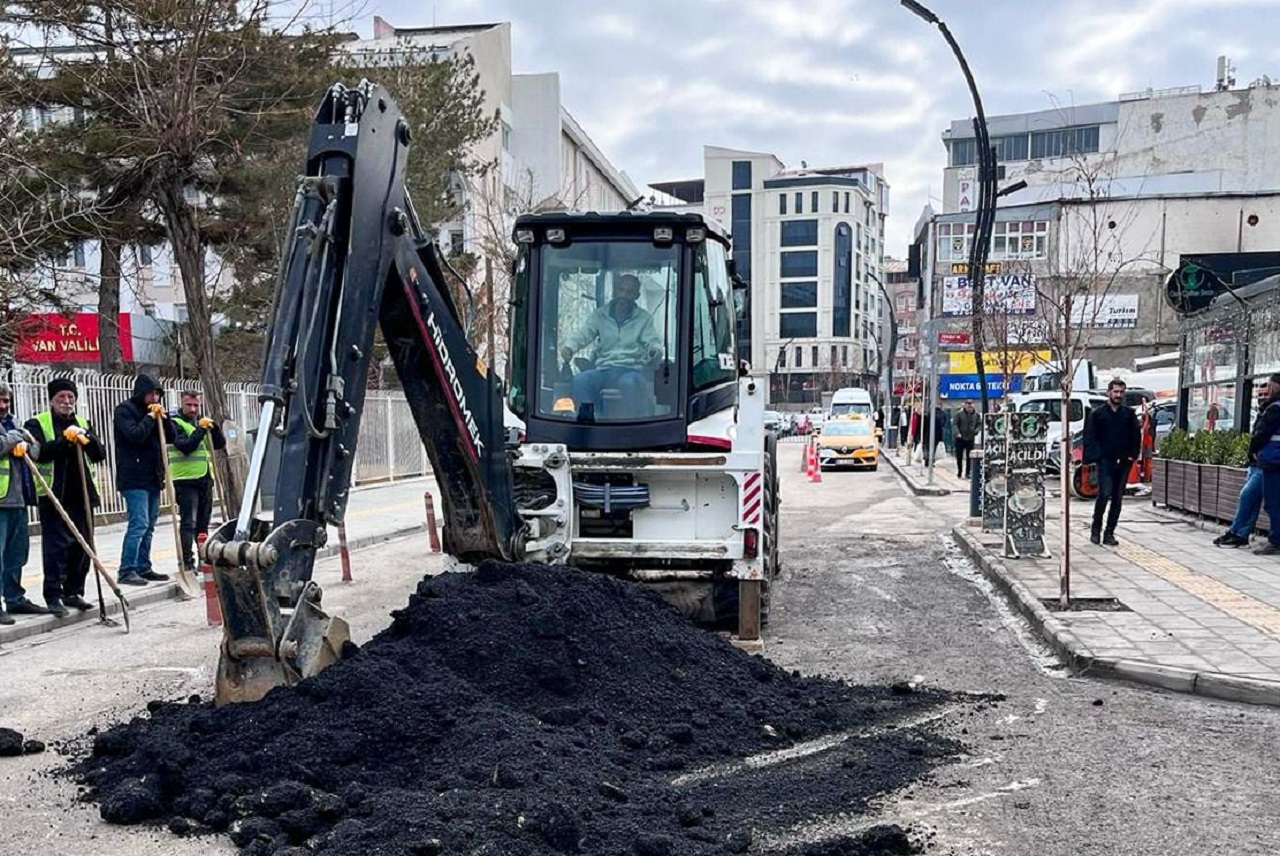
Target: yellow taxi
x=848, y=442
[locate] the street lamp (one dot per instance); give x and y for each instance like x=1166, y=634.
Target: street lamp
x=985, y=215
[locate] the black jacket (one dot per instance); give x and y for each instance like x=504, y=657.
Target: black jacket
x=968, y=424
x=67, y=474
x=1112, y=435
x=1266, y=426
x=138, y=462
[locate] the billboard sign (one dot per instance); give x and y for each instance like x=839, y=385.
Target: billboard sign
x=1004, y=294
x=1111, y=312
x=966, y=385
x=49, y=338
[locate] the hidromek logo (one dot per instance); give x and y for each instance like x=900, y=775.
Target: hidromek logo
x=455, y=383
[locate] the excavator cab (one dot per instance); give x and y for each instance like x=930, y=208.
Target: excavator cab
x=622, y=330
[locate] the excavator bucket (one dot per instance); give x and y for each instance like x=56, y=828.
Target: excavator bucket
x=249, y=668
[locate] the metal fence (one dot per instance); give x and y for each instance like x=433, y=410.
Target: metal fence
x=389, y=446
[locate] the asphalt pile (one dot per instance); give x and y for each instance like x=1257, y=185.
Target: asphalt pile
x=524, y=710
x=12, y=744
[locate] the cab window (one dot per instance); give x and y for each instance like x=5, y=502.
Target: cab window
x=713, y=360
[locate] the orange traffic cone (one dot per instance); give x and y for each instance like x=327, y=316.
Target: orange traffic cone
x=212, y=606
x=817, y=466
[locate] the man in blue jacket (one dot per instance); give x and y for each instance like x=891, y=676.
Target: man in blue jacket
x=1113, y=441
x=1264, y=447
x=140, y=475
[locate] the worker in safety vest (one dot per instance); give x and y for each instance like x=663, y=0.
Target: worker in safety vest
x=59, y=431
x=191, y=464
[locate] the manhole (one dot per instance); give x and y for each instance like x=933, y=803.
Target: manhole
x=1085, y=604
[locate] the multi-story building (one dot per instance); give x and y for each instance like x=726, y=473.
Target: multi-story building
x=902, y=287
x=1116, y=195
x=810, y=245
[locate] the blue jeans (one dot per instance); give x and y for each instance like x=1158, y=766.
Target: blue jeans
x=1271, y=496
x=14, y=547
x=143, y=507
x=630, y=382
x=1248, y=505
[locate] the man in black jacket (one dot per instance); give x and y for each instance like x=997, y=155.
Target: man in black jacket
x=1264, y=447
x=140, y=475
x=968, y=423
x=59, y=431
x=1113, y=441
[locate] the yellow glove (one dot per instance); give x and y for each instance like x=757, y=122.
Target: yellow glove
x=20, y=450
x=205, y=422
x=76, y=434
x=157, y=410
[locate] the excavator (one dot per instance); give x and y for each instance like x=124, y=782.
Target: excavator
x=628, y=440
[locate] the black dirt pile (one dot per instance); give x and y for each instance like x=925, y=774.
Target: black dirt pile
x=13, y=744
x=521, y=710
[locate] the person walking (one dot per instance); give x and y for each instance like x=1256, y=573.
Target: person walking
x=17, y=491
x=1112, y=441
x=1264, y=447
x=1249, y=503
x=65, y=446
x=967, y=422
x=191, y=464
x=140, y=475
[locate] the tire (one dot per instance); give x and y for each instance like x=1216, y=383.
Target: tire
x=874, y=467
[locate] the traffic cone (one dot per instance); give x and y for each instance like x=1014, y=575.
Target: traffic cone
x=817, y=466
x=212, y=606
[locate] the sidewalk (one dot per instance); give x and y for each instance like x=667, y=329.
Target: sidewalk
x=1191, y=617
x=916, y=474
x=375, y=513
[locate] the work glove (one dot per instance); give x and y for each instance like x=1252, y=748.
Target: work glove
x=157, y=410
x=20, y=450
x=76, y=434
x=205, y=422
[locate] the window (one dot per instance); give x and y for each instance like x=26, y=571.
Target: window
x=1020, y=240
x=1010, y=148
x=964, y=152
x=456, y=244
x=833, y=356
x=798, y=325
x=799, y=263
x=1064, y=141
x=844, y=355
x=742, y=175
x=800, y=203
x=846, y=202
x=799, y=295
x=712, y=321
x=800, y=233
x=799, y=356
x=815, y=352
x=741, y=225
x=506, y=137
x=782, y=203
x=77, y=254
x=782, y=358
x=813, y=202
x=835, y=202
x=144, y=256
x=842, y=281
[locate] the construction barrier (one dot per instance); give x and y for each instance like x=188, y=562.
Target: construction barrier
x=212, y=606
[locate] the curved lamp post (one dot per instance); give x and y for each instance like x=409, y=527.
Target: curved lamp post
x=986, y=194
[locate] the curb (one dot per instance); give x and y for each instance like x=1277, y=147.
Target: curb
x=1083, y=663
x=912, y=483
x=28, y=626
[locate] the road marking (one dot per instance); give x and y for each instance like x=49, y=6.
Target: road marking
x=1225, y=598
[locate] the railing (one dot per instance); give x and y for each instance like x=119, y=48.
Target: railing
x=389, y=447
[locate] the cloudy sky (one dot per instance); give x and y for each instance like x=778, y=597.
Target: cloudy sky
x=836, y=82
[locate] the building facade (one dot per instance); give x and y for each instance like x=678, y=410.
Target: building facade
x=810, y=245
x=1115, y=195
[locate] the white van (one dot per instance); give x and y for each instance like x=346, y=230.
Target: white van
x=1051, y=402
x=850, y=401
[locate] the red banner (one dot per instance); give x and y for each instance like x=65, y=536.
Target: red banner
x=947, y=337
x=49, y=338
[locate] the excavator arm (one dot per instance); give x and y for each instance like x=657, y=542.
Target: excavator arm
x=356, y=259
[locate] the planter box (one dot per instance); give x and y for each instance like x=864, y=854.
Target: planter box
x=1175, y=492
x=1207, y=497
x=1230, y=481
x=1159, y=481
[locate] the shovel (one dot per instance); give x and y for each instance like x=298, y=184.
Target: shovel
x=186, y=584
x=90, y=519
x=93, y=557
x=217, y=477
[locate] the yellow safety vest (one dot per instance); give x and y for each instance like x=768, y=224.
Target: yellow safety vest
x=187, y=467
x=5, y=463
x=45, y=420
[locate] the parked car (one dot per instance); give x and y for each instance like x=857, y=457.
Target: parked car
x=849, y=441
x=773, y=421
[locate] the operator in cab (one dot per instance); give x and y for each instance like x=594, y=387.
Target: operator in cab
x=627, y=347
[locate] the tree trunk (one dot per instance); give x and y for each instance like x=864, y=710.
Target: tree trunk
x=188, y=251
x=111, y=357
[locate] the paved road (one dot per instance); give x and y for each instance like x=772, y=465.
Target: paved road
x=874, y=591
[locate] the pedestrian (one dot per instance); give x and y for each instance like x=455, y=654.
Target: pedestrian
x=968, y=422
x=191, y=465
x=1264, y=446
x=140, y=475
x=1112, y=441
x=1249, y=502
x=17, y=491
x=67, y=444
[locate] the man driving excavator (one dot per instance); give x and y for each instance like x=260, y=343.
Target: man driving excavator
x=627, y=344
